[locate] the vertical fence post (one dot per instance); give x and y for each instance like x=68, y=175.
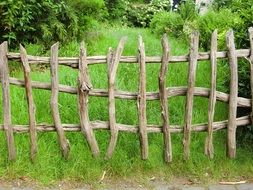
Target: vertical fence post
x=64, y=144
x=232, y=57
x=84, y=86
x=163, y=95
x=193, y=59
x=112, y=69
x=6, y=101
x=251, y=68
x=142, y=101
x=31, y=106
x=212, y=98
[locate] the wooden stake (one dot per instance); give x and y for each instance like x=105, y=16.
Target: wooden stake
x=64, y=144
x=164, y=99
x=212, y=98
x=6, y=101
x=142, y=101
x=84, y=85
x=193, y=58
x=251, y=68
x=30, y=103
x=232, y=57
x=112, y=68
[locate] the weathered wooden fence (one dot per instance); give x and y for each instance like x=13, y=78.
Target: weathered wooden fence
x=113, y=58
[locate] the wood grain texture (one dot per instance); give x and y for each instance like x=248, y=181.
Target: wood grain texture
x=141, y=100
x=232, y=110
x=64, y=143
x=104, y=125
x=73, y=61
x=209, y=150
x=30, y=103
x=84, y=86
x=164, y=99
x=6, y=101
x=171, y=92
x=251, y=68
x=193, y=58
x=113, y=63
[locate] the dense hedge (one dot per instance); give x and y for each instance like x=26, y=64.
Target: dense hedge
x=47, y=20
x=224, y=14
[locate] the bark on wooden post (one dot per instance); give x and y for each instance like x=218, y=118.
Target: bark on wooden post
x=64, y=144
x=232, y=57
x=164, y=99
x=84, y=86
x=251, y=68
x=142, y=101
x=6, y=101
x=112, y=69
x=30, y=103
x=193, y=59
x=212, y=98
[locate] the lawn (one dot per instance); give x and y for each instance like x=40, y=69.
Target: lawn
x=50, y=167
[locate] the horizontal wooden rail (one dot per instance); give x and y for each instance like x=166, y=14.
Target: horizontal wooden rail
x=73, y=61
x=171, y=91
x=241, y=121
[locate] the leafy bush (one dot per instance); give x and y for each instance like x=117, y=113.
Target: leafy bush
x=188, y=11
x=179, y=24
x=217, y=20
x=138, y=14
x=117, y=8
x=46, y=20
x=169, y=22
x=219, y=4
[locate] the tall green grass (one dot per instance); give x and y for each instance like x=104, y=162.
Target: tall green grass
x=126, y=162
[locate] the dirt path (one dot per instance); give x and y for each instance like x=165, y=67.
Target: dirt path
x=24, y=184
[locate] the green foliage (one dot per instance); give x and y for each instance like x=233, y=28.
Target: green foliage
x=188, y=11
x=140, y=15
x=46, y=20
x=137, y=14
x=217, y=20
x=169, y=22
x=116, y=8
x=219, y=4
x=178, y=24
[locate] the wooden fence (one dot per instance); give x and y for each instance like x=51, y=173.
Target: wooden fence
x=113, y=58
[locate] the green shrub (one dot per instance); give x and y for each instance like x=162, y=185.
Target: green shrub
x=188, y=11
x=46, y=20
x=178, y=24
x=117, y=9
x=219, y=4
x=138, y=14
x=217, y=20
x=169, y=22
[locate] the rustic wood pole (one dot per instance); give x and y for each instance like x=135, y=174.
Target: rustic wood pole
x=232, y=57
x=64, y=143
x=30, y=103
x=141, y=101
x=193, y=59
x=112, y=69
x=6, y=101
x=84, y=86
x=164, y=99
x=251, y=68
x=209, y=151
